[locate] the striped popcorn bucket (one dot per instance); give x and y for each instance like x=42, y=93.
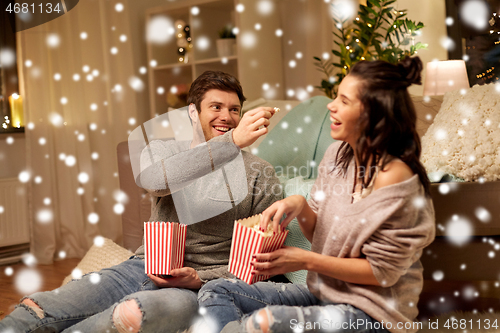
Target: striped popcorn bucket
x=247, y=241
x=164, y=244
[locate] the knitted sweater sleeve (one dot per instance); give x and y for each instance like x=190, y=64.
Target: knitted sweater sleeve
x=167, y=168
x=398, y=242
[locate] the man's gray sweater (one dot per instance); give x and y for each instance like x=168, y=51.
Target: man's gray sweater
x=197, y=185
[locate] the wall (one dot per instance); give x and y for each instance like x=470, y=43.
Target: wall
x=308, y=29
x=136, y=10
x=260, y=62
x=432, y=14
x=253, y=73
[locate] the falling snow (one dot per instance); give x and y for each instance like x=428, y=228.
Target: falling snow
x=160, y=30
x=459, y=230
x=93, y=218
x=28, y=281
x=475, y=14
x=319, y=195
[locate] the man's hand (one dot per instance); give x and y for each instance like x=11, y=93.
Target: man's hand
x=185, y=277
x=247, y=131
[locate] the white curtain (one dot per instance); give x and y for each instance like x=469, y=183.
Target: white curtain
x=78, y=107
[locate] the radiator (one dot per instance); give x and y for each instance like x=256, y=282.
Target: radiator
x=14, y=225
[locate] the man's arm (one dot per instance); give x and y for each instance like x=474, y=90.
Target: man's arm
x=266, y=187
x=165, y=171
x=165, y=168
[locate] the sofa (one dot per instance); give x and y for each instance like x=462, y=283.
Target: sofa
x=449, y=285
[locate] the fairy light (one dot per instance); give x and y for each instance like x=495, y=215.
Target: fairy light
x=487, y=75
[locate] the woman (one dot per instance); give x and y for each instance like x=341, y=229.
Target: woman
x=368, y=220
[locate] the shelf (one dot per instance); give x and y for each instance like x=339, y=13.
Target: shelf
x=215, y=60
x=11, y=130
x=199, y=62
x=250, y=66
x=213, y=15
x=215, y=64
x=169, y=66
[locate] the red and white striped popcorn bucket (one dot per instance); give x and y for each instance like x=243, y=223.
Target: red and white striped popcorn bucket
x=164, y=244
x=247, y=241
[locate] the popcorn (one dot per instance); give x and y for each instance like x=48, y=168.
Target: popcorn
x=276, y=109
x=249, y=240
x=266, y=233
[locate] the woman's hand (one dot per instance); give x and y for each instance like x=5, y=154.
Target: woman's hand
x=185, y=277
x=284, y=260
x=291, y=206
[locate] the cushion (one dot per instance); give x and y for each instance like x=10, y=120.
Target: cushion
x=296, y=145
x=98, y=257
x=464, y=136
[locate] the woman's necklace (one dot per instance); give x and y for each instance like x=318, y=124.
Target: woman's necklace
x=355, y=183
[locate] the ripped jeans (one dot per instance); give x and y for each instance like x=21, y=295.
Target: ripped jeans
x=233, y=306
x=87, y=305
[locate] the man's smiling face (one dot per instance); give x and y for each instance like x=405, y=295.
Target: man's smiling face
x=220, y=111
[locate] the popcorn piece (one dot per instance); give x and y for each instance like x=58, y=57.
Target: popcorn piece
x=276, y=109
x=266, y=233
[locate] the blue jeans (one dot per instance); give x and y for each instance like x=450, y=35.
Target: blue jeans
x=87, y=307
x=232, y=304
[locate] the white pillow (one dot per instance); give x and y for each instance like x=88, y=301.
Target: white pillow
x=99, y=257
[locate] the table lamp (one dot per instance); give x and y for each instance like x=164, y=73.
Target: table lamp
x=444, y=76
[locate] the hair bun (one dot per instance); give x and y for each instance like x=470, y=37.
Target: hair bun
x=411, y=69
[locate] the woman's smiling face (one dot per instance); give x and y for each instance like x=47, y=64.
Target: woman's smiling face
x=345, y=111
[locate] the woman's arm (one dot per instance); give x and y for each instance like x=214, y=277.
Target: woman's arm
x=307, y=221
x=290, y=259
x=352, y=270
x=293, y=206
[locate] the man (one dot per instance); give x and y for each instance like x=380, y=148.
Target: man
x=125, y=299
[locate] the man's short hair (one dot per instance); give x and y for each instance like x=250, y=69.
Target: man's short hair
x=213, y=80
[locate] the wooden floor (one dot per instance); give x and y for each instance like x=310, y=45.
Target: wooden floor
x=52, y=277
x=433, y=293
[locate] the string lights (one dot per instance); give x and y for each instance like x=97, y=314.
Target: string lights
x=481, y=49
x=184, y=40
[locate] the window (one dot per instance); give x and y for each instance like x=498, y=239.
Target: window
x=11, y=111
x=476, y=41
